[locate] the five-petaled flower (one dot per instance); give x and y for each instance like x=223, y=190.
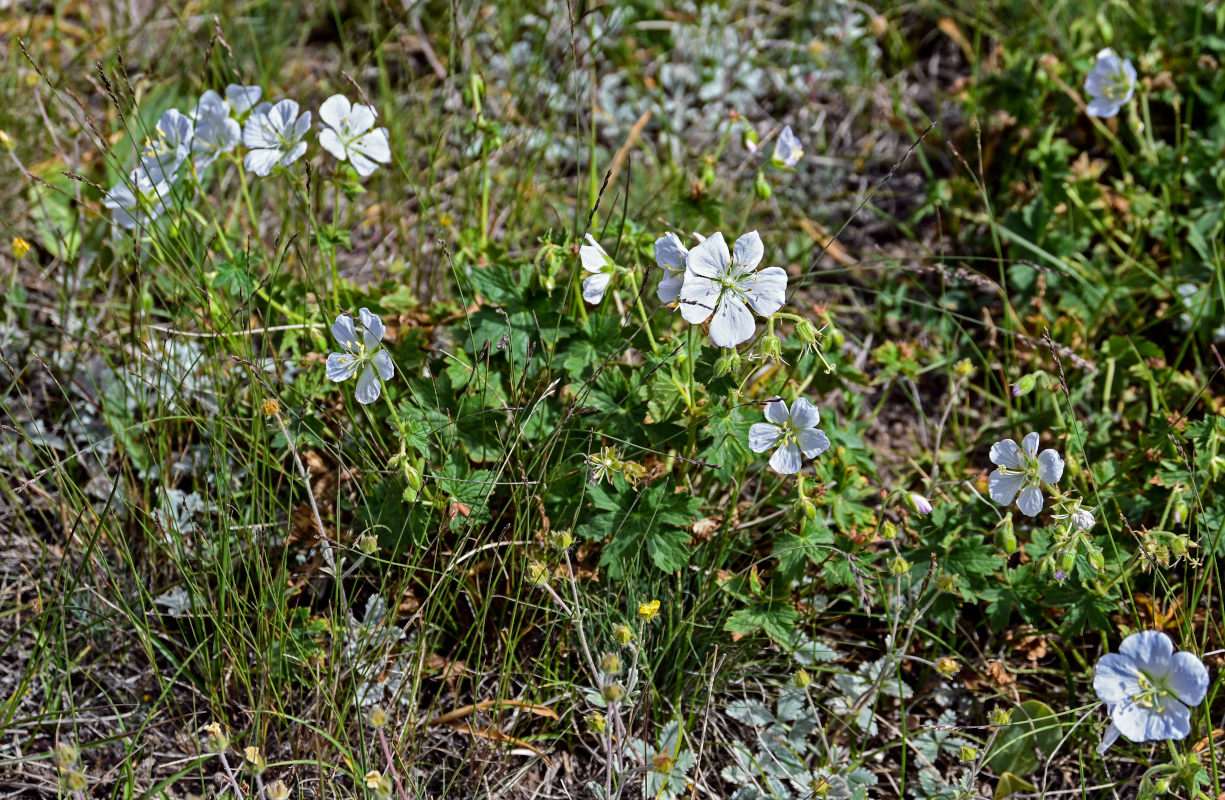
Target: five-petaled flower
x=1023, y=470
x=597, y=262
x=348, y=134
x=171, y=143
x=139, y=201
x=242, y=98
x=1148, y=688
x=787, y=150
x=364, y=350
x=727, y=284
x=1110, y=83
x=216, y=131
x=791, y=432
x=671, y=256
x=274, y=134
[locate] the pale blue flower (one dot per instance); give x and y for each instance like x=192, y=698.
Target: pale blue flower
x=165, y=151
x=789, y=434
x=787, y=150
x=727, y=284
x=216, y=131
x=348, y=134
x=1110, y=83
x=671, y=256
x=1148, y=688
x=274, y=134
x=242, y=98
x=360, y=351
x=1023, y=470
x=139, y=201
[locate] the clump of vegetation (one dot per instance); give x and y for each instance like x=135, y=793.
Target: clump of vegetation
x=703, y=400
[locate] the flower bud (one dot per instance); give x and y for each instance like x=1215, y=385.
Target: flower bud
x=1025, y=385
x=807, y=506
x=412, y=474
x=964, y=368
x=748, y=138
x=74, y=780
x=65, y=755
x=728, y=363
x=561, y=540
x=612, y=692
x=610, y=664
x=966, y=754
x=1082, y=520
x=1000, y=716
x=537, y=573
x=708, y=176
x=947, y=583
x=663, y=762
x=771, y=347
x=1068, y=560
x=622, y=635
x=947, y=667
x=378, y=783
x=6, y=142
x=1163, y=785
x=215, y=740
x=888, y=531
x=762, y=187
x=801, y=678
x=806, y=332
x=1006, y=537
x=918, y=503
x=255, y=759
x=597, y=723
x=648, y=611
x=899, y=566
x=377, y=717
x=368, y=543
x=1096, y=559
x=1181, y=511
x=277, y=790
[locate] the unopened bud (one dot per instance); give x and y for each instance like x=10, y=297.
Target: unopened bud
x=1025, y=385
x=1096, y=559
x=801, y=678
x=1000, y=716
x=918, y=503
x=612, y=692
x=899, y=566
x=561, y=540
x=807, y=506
x=966, y=754
x=6, y=142
x=377, y=717
x=748, y=138
x=888, y=531
x=947, y=583
x=597, y=723
x=1068, y=560
x=277, y=790
x=762, y=187
x=610, y=664
x=947, y=667
x=728, y=363
x=1181, y=511
x=368, y=543
x=1006, y=537
x=74, y=780
x=537, y=573
x=964, y=368
x=622, y=635
x=255, y=759
x=65, y=755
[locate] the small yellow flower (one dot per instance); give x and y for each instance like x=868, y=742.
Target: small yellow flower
x=648, y=611
x=947, y=667
x=271, y=406
x=254, y=759
x=372, y=778
x=967, y=754
x=597, y=723
x=663, y=763
x=277, y=790
x=20, y=247
x=215, y=739
x=801, y=678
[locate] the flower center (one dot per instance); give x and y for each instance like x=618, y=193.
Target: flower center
x=1150, y=694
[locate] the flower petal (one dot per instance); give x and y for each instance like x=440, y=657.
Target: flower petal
x=1006, y=454
x=362, y=165
x=374, y=145
x=293, y=155
x=669, y=289
x=786, y=459
x=804, y=414
x=1030, y=502
x=732, y=323
x=698, y=298
x=1108, y=738
x=594, y=287
x=344, y=332
x=1050, y=466
x=1116, y=679
x=1102, y=107
x=1003, y=486
x=242, y=98
x=709, y=259
x=593, y=257
x=368, y=386
x=329, y=141
x=670, y=253
x=334, y=110
x=1150, y=650
x=763, y=436
x=373, y=328
x=382, y=362
x=1171, y=720
x=342, y=366
x=776, y=412
x=1188, y=678
x=1030, y=443
x=261, y=161
x=748, y=250
x=766, y=290
x=812, y=441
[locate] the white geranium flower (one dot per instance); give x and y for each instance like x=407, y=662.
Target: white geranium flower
x=1110, y=83
x=171, y=143
x=787, y=150
x=274, y=134
x=242, y=98
x=138, y=201
x=1023, y=470
x=600, y=265
x=725, y=284
x=791, y=432
x=671, y=256
x=349, y=135
x=364, y=350
x=216, y=131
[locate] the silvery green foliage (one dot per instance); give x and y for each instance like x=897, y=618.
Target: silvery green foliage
x=931, y=741
x=178, y=602
x=782, y=762
x=855, y=693
x=629, y=698
x=368, y=647
x=668, y=763
x=177, y=510
x=936, y=785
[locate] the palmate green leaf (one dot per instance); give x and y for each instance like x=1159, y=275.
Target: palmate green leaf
x=776, y=618
x=237, y=274
x=654, y=521
x=728, y=436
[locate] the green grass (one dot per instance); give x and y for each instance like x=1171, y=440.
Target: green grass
x=199, y=527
